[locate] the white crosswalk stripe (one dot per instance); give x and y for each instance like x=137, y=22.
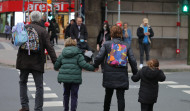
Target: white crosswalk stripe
x=53, y=104
x=47, y=95
x=134, y=86
x=168, y=82
x=34, y=88
x=30, y=79
x=33, y=84
x=7, y=46
x=179, y=86
x=186, y=91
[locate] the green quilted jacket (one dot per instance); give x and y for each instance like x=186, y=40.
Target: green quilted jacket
x=70, y=64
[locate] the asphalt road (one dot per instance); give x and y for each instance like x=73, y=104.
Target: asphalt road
x=174, y=94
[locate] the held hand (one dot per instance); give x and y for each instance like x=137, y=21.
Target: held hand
x=98, y=47
x=85, y=40
x=96, y=69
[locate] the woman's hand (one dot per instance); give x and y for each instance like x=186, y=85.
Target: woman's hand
x=98, y=47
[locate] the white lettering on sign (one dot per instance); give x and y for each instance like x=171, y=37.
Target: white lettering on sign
x=39, y=6
x=42, y=7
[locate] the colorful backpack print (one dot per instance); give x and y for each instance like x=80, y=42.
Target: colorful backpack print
x=118, y=55
x=33, y=40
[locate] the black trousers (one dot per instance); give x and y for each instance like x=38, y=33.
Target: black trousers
x=120, y=99
x=146, y=107
x=144, y=48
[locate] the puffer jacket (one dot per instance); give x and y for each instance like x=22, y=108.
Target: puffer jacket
x=115, y=77
x=148, y=92
x=140, y=33
x=70, y=64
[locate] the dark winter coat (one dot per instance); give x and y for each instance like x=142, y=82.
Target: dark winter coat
x=36, y=60
x=74, y=31
x=70, y=64
x=148, y=92
x=115, y=77
x=55, y=30
x=101, y=36
x=67, y=31
x=140, y=33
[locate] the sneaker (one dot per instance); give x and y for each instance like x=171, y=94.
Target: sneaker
x=140, y=66
x=24, y=109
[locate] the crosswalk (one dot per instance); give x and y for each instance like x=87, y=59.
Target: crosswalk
x=48, y=94
x=176, y=85
x=51, y=99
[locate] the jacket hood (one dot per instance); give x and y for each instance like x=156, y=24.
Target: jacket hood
x=71, y=51
x=150, y=73
x=142, y=26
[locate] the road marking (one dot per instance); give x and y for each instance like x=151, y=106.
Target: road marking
x=47, y=95
x=7, y=46
x=53, y=104
x=168, y=82
x=179, y=86
x=134, y=86
x=186, y=91
x=30, y=79
x=33, y=84
x=34, y=88
x=30, y=76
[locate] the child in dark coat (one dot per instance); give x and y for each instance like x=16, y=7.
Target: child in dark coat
x=150, y=76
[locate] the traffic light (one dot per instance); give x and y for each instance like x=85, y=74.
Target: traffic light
x=185, y=6
x=49, y=1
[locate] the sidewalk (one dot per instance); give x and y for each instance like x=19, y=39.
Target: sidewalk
x=8, y=58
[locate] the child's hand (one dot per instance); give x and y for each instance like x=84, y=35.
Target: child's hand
x=56, y=69
x=96, y=69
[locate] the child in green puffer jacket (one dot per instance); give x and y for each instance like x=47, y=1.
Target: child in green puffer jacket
x=70, y=64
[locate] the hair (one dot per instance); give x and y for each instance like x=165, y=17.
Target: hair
x=153, y=63
x=116, y=32
x=70, y=42
x=78, y=18
x=35, y=16
x=125, y=23
x=73, y=20
x=107, y=27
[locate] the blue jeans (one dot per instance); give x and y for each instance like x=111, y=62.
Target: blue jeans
x=70, y=89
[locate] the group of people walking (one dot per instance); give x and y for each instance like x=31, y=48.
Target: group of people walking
x=115, y=52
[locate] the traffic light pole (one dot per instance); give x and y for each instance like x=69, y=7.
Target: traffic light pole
x=188, y=48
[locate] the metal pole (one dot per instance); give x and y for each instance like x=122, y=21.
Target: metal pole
x=106, y=10
x=23, y=10
x=28, y=12
x=80, y=1
x=188, y=48
x=41, y=6
x=69, y=10
x=119, y=10
x=34, y=6
x=178, y=27
x=47, y=15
